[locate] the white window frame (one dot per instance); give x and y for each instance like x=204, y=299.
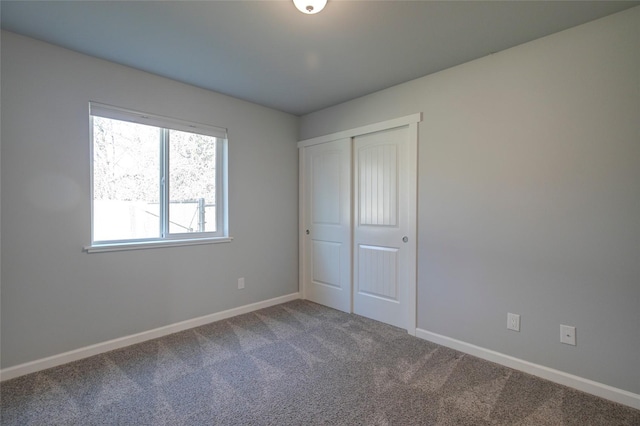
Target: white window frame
x=166, y=239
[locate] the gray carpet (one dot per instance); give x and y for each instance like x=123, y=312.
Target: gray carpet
x=295, y=364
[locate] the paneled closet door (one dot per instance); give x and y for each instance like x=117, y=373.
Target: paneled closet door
x=327, y=224
x=384, y=226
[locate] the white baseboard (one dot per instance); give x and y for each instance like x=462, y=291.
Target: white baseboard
x=87, y=351
x=585, y=385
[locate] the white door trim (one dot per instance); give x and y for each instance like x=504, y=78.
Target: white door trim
x=302, y=202
x=363, y=130
x=412, y=245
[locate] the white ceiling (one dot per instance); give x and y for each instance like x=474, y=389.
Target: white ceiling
x=269, y=53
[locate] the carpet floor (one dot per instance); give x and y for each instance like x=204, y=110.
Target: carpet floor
x=298, y=363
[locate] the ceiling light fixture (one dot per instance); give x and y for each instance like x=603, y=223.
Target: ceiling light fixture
x=309, y=7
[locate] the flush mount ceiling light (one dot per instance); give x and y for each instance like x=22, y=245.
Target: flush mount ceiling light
x=309, y=7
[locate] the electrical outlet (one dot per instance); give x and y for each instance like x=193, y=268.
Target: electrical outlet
x=513, y=321
x=240, y=283
x=568, y=334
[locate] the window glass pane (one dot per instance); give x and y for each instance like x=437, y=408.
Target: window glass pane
x=126, y=180
x=192, y=182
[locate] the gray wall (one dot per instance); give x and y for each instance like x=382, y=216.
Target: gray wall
x=529, y=196
x=55, y=297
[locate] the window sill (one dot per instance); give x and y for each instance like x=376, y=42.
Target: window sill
x=99, y=248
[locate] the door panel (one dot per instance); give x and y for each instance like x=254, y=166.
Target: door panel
x=327, y=218
x=378, y=271
x=378, y=185
x=382, y=263
x=325, y=260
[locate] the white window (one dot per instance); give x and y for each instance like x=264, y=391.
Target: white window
x=155, y=180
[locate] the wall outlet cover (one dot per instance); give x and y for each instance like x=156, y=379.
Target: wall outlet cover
x=568, y=334
x=513, y=321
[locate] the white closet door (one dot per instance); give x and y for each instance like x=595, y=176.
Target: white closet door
x=384, y=226
x=327, y=224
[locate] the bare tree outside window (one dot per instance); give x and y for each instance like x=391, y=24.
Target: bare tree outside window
x=192, y=180
x=126, y=176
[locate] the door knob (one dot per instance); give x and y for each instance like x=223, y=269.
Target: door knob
x=307, y=232
x=405, y=239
